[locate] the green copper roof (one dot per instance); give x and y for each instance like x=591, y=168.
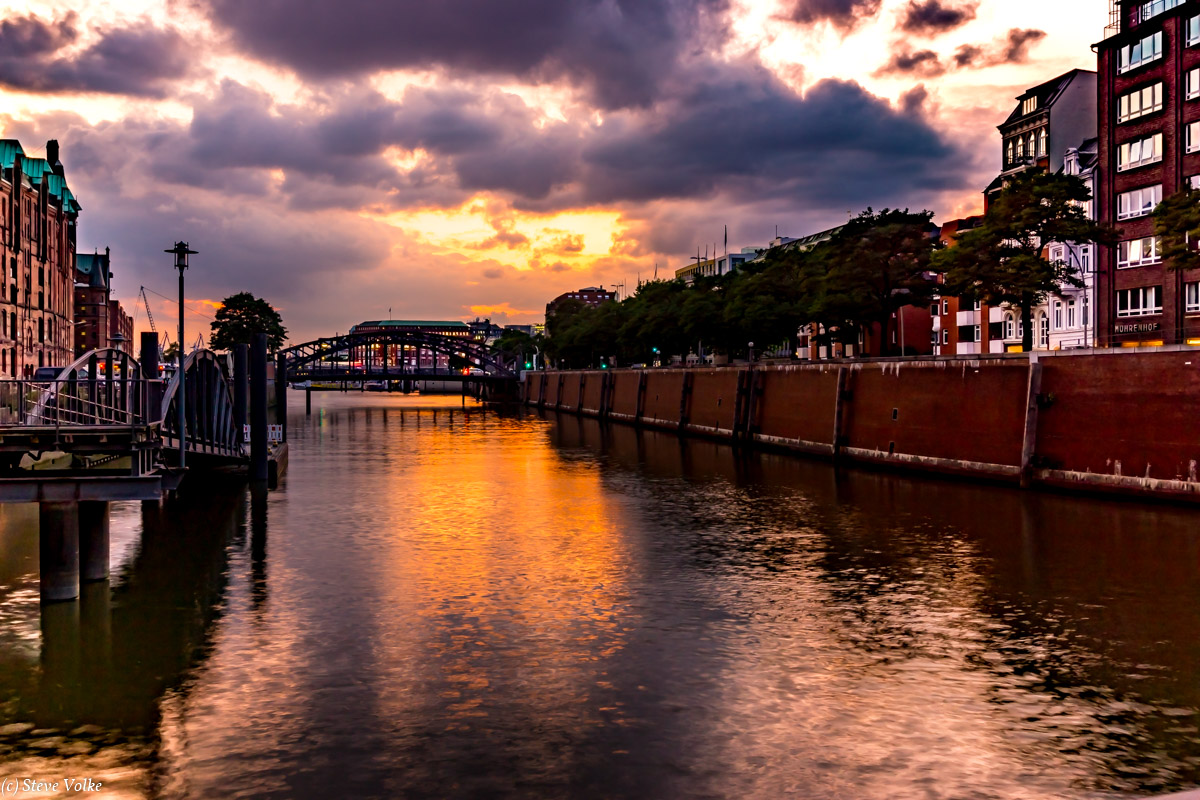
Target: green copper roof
x=37, y=169
x=414, y=323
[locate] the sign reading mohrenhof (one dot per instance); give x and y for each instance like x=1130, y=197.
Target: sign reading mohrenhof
x=1137, y=327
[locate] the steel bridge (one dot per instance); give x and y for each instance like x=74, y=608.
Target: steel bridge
x=395, y=355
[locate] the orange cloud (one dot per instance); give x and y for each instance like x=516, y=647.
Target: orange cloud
x=500, y=310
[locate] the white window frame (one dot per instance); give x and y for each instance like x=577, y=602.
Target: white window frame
x=1010, y=327
x=1139, y=252
x=978, y=334
x=1191, y=137
x=1133, y=154
x=1152, y=8
x=1147, y=50
x=1138, y=202
x=1193, y=31
x=1140, y=102
x=1029, y=105
x=1043, y=138
x=1143, y=301
x=1071, y=313
x=1058, y=315
x=945, y=336
x=1192, y=295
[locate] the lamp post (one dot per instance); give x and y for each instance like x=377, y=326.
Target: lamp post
x=181, y=251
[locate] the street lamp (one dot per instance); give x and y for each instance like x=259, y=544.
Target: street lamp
x=181, y=251
x=751, y=358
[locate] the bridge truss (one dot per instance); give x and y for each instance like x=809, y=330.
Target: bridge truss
x=395, y=355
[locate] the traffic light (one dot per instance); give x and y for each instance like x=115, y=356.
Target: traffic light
x=528, y=365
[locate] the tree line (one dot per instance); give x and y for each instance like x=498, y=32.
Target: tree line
x=853, y=283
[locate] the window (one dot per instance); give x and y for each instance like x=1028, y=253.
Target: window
x=1138, y=202
x=1192, y=294
x=1138, y=252
x=1010, y=327
x=1020, y=147
x=1132, y=56
x=1192, y=83
x=1031, y=145
x=946, y=336
x=1085, y=258
x=1140, y=151
x=1028, y=105
x=1071, y=313
x=1043, y=330
x=978, y=305
x=1042, y=139
x=1191, y=136
x=1058, y=315
x=1152, y=8
x=1194, y=181
x=1140, y=302
x=1056, y=255
x=1087, y=316
x=1140, y=102
x=1193, y=31
x=1009, y=152
x=977, y=333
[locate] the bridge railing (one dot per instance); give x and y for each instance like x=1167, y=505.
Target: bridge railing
x=75, y=402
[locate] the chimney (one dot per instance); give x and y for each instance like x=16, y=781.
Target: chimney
x=52, y=156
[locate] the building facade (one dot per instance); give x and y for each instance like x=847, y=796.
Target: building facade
x=408, y=356
x=92, y=301
x=713, y=267
x=38, y=216
x=590, y=296
x=1149, y=149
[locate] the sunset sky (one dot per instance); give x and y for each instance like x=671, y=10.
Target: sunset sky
x=465, y=158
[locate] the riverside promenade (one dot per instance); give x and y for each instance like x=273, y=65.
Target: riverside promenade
x=1116, y=421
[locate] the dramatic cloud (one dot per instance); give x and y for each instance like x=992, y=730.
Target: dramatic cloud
x=138, y=60
x=621, y=51
x=924, y=63
x=843, y=14
x=1012, y=49
x=931, y=17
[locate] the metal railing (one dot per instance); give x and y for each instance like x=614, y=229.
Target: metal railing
x=75, y=402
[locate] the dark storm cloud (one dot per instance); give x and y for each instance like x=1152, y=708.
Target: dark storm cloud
x=924, y=63
x=746, y=135
x=1012, y=49
x=620, y=50
x=844, y=14
x=931, y=17
x=140, y=60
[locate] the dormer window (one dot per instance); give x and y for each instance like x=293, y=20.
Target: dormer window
x=1028, y=106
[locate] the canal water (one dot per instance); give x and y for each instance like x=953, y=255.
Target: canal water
x=443, y=601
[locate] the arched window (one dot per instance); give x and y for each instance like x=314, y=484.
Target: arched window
x=1010, y=151
x=1043, y=330
x=1042, y=142
x=1020, y=147
x=1010, y=327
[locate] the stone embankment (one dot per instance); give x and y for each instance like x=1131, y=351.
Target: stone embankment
x=1112, y=421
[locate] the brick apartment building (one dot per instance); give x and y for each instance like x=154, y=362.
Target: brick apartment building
x=589, y=296
x=38, y=217
x=1149, y=148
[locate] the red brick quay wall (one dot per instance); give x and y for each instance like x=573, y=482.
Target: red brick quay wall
x=1115, y=421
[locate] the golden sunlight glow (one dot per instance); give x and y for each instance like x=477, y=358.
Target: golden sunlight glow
x=490, y=231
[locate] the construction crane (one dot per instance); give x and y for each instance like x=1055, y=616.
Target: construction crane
x=146, y=301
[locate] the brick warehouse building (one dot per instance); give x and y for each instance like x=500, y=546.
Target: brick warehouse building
x=38, y=217
x=1149, y=147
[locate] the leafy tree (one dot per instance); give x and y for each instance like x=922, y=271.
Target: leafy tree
x=873, y=267
x=171, y=353
x=1003, y=261
x=1177, y=224
x=515, y=347
x=240, y=317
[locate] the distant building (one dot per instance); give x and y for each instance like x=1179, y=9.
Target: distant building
x=721, y=265
x=38, y=216
x=528, y=330
x=590, y=296
x=120, y=326
x=93, y=275
x=411, y=357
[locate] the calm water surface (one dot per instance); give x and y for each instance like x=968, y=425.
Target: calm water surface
x=443, y=602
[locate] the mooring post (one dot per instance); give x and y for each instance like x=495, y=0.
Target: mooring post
x=93, y=540
x=58, y=551
x=148, y=358
x=258, y=408
x=281, y=388
x=308, y=401
x=241, y=386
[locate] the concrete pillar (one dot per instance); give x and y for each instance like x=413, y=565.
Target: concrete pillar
x=308, y=402
x=93, y=541
x=59, y=551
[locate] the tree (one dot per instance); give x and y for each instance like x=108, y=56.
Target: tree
x=1003, y=261
x=240, y=317
x=1177, y=224
x=171, y=353
x=874, y=266
x=515, y=347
